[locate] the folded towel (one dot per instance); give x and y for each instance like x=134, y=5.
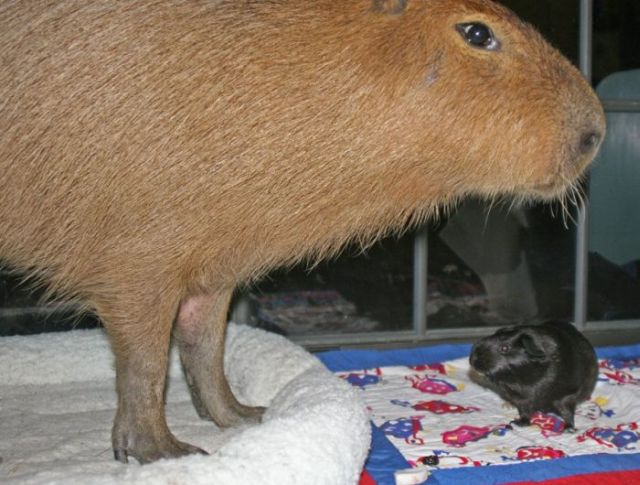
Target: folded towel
x=57, y=402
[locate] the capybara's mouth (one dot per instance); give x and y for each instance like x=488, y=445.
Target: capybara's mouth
x=556, y=189
x=549, y=189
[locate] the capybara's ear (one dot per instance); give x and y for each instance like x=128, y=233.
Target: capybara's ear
x=393, y=7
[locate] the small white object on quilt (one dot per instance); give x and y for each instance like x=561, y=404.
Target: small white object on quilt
x=57, y=402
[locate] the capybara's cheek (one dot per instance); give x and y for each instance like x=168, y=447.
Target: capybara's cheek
x=568, y=132
x=544, y=133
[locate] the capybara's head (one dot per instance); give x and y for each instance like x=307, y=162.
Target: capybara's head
x=506, y=113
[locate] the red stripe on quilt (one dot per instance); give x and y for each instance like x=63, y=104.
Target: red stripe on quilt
x=606, y=478
x=366, y=479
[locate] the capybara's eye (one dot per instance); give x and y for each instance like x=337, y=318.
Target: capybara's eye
x=478, y=35
x=504, y=348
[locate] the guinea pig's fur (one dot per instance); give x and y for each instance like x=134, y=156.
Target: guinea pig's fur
x=156, y=155
x=550, y=367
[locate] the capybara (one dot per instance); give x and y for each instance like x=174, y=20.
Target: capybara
x=155, y=155
x=550, y=367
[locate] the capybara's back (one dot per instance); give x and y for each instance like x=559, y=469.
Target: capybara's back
x=156, y=154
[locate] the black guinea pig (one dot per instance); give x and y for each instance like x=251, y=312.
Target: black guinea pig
x=549, y=367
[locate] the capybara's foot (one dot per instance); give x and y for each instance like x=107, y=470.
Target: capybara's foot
x=251, y=414
x=229, y=415
x=147, y=448
x=234, y=414
x=254, y=413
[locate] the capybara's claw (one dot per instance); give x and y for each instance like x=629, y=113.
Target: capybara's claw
x=149, y=455
x=121, y=455
x=252, y=414
x=149, y=445
x=257, y=412
x=236, y=416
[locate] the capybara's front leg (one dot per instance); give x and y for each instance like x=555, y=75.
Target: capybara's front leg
x=140, y=429
x=200, y=332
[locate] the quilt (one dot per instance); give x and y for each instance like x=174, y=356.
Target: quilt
x=431, y=423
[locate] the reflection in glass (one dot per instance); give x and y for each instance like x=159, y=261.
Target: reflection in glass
x=614, y=270
x=355, y=293
x=491, y=266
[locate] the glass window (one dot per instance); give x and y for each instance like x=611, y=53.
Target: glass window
x=354, y=293
x=614, y=227
x=21, y=312
x=615, y=37
x=557, y=21
x=496, y=266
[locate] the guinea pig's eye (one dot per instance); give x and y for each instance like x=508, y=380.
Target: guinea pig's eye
x=504, y=348
x=478, y=35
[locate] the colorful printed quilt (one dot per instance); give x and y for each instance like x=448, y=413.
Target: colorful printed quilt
x=432, y=424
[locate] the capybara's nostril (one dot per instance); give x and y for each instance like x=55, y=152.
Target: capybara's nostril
x=589, y=141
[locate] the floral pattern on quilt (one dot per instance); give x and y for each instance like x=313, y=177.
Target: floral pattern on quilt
x=437, y=417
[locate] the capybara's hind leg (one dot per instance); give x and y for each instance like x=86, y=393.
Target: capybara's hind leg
x=140, y=429
x=200, y=332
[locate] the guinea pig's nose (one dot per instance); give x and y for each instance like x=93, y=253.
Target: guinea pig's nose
x=589, y=141
x=473, y=356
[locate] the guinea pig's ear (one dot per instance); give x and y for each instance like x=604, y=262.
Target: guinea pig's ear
x=393, y=7
x=532, y=348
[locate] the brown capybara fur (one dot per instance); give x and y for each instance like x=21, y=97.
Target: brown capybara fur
x=155, y=155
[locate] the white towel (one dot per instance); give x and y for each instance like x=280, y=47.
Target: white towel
x=57, y=402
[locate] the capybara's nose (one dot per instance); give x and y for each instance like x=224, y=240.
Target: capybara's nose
x=589, y=141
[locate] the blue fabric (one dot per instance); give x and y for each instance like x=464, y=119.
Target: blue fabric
x=538, y=470
x=384, y=458
x=623, y=353
x=348, y=360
